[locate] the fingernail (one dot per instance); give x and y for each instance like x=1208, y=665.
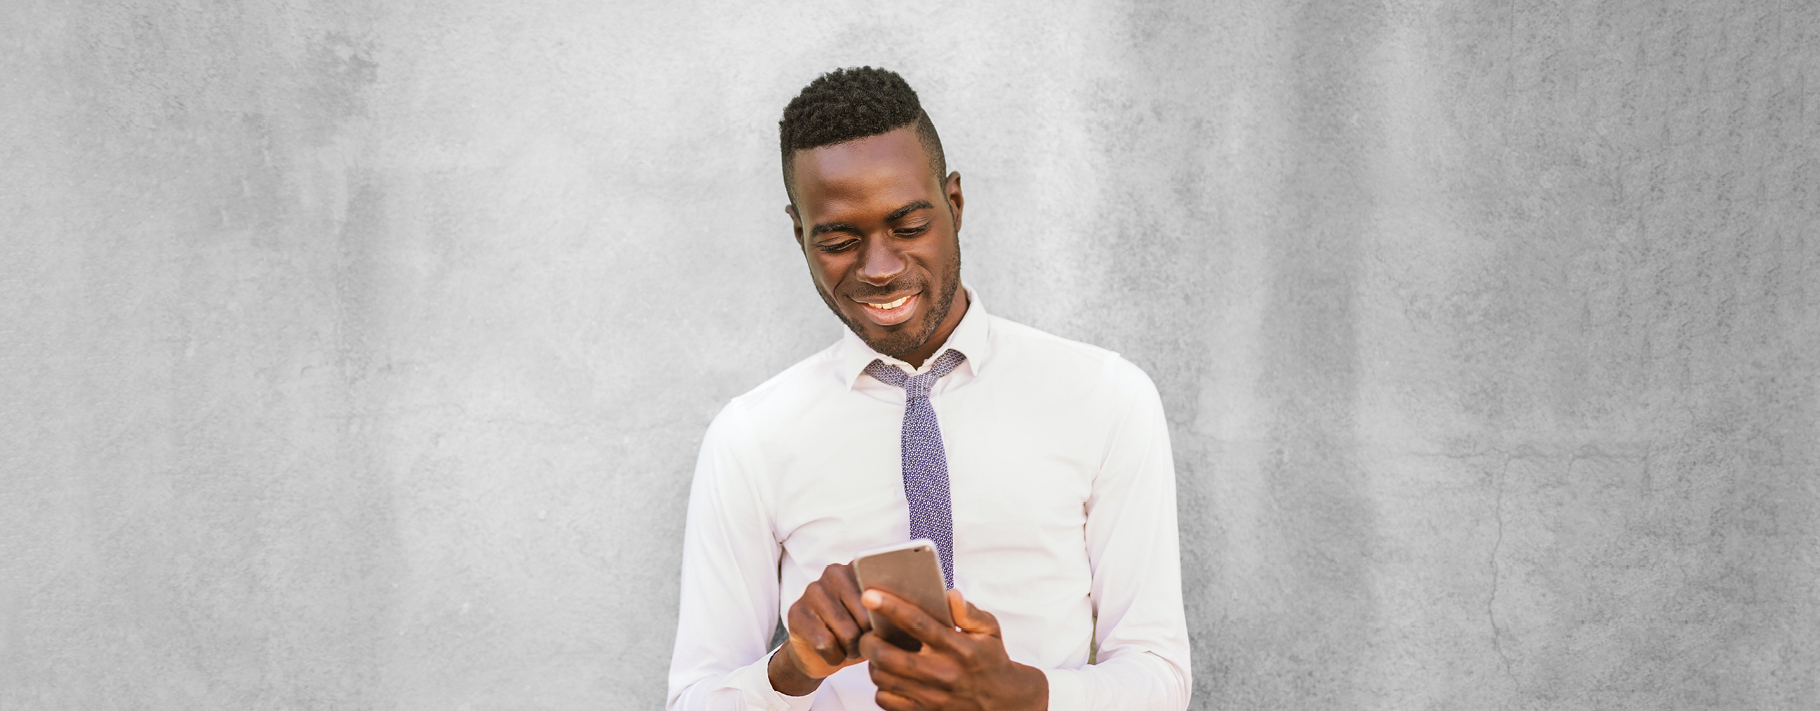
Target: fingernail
x=871, y=599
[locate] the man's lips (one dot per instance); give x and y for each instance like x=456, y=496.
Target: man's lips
x=893, y=312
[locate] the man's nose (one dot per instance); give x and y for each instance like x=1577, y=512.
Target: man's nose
x=879, y=261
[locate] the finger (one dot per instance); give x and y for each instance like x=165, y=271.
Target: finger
x=926, y=672
x=845, y=587
x=895, y=702
x=970, y=619
x=888, y=658
x=910, y=689
x=835, y=617
x=824, y=646
x=910, y=618
x=806, y=626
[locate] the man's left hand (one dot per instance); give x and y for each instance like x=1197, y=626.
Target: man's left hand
x=965, y=669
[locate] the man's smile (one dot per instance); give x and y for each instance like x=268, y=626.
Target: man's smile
x=890, y=313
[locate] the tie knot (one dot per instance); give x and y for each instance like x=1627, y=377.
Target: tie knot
x=916, y=386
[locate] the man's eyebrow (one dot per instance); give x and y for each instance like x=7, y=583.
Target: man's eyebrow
x=827, y=227
x=899, y=213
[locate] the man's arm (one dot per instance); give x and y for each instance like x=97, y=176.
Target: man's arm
x=729, y=579
x=1137, y=579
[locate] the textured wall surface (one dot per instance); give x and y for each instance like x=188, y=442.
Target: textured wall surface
x=354, y=355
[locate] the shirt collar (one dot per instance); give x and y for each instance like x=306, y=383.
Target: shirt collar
x=969, y=337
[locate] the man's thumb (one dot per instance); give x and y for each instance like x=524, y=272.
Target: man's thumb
x=969, y=618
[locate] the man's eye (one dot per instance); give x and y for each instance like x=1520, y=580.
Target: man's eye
x=912, y=231
x=839, y=246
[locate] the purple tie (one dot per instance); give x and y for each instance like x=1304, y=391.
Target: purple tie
x=925, y=463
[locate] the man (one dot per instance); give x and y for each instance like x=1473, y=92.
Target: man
x=1039, y=466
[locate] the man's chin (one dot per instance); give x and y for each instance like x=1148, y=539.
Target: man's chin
x=894, y=341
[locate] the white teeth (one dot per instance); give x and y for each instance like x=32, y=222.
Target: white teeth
x=890, y=306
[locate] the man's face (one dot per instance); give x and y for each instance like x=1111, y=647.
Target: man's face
x=881, y=236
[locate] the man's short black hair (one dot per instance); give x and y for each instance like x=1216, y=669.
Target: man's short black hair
x=850, y=104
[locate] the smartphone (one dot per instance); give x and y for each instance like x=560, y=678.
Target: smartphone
x=910, y=571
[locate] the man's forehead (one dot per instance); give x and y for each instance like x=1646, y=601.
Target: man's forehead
x=892, y=163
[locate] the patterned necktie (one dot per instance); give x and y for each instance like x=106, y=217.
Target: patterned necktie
x=925, y=463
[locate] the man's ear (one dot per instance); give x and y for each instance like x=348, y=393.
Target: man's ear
x=952, y=187
x=796, y=224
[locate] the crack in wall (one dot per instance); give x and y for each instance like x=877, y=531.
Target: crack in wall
x=1491, y=602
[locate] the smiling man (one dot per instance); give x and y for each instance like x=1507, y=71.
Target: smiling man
x=1039, y=466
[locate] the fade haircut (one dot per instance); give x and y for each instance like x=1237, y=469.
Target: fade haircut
x=850, y=104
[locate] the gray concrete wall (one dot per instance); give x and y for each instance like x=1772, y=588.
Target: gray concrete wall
x=354, y=355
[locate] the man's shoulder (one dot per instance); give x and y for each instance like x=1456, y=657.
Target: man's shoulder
x=793, y=389
x=1032, y=352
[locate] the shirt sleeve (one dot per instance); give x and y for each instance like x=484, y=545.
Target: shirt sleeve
x=1137, y=579
x=729, y=581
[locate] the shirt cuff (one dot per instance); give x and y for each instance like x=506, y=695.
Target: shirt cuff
x=1067, y=690
x=759, y=693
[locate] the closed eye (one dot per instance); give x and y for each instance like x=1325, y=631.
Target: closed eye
x=840, y=246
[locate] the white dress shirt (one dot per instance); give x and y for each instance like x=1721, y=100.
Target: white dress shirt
x=1064, y=507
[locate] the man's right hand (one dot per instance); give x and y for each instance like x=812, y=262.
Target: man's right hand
x=825, y=627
